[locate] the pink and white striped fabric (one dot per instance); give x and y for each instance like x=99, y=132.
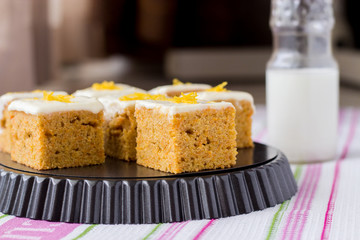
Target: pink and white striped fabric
x=325, y=207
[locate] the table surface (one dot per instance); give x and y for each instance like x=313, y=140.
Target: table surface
x=326, y=205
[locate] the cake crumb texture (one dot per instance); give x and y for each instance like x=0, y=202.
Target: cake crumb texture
x=57, y=140
x=188, y=141
x=5, y=143
x=120, y=135
x=243, y=119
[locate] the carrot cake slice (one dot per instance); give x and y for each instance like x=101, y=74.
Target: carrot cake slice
x=244, y=105
x=178, y=87
x=107, y=89
x=120, y=124
x=5, y=143
x=183, y=135
x=56, y=131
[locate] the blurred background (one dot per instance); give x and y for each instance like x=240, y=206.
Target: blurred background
x=67, y=44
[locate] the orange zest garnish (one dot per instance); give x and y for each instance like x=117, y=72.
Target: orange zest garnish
x=185, y=98
x=105, y=86
x=143, y=96
x=218, y=88
x=178, y=82
x=49, y=96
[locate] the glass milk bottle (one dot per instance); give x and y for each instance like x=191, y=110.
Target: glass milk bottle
x=302, y=81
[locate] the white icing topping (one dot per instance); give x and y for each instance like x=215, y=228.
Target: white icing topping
x=226, y=96
x=8, y=97
x=179, y=88
x=174, y=108
x=125, y=89
x=39, y=106
x=112, y=106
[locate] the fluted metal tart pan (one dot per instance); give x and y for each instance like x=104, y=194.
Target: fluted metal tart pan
x=122, y=192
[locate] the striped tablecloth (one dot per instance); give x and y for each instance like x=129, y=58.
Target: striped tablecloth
x=327, y=205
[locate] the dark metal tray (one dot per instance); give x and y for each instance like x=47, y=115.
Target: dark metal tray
x=123, y=192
